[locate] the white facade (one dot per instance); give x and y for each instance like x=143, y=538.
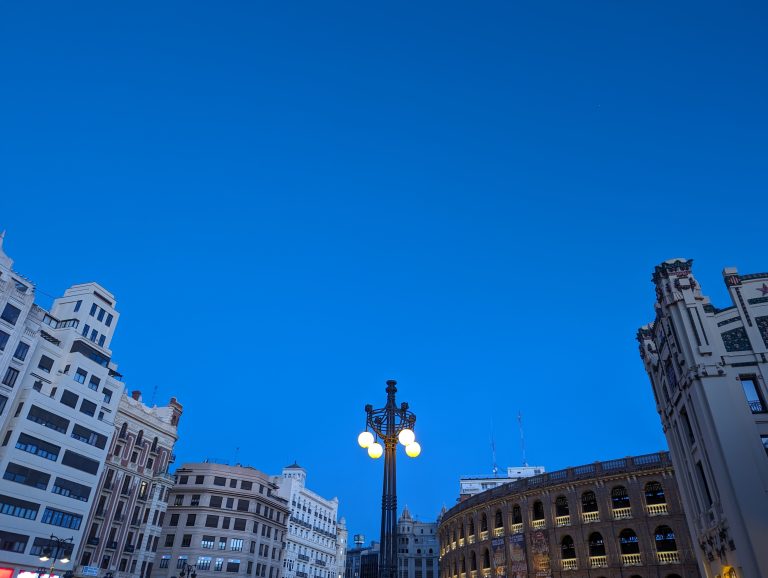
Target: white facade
x=418, y=548
x=59, y=391
x=342, y=539
x=471, y=485
x=708, y=368
x=311, y=550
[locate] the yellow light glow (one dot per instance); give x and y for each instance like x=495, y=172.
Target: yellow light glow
x=406, y=437
x=375, y=450
x=65, y=560
x=44, y=558
x=365, y=439
x=413, y=449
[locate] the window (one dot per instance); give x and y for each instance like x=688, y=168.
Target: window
x=588, y=502
x=109, y=320
x=203, y=562
x=100, y=316
x=69, y=399
x=10, y=377
x=10, y=314
x=71, y=489
x=222, y=543
x=13, y=542
x=169, y=540
x=233, y=565
x=561, y=507
x=186, y=540
x=38, y=447
x=665, y=539
x=242, y=505
x=239, y=524
x=538, y=510
x=654, y=494
x=230, y=503
x=82, y=463
x=94, y=335
x=4, y=337
x=18, y=508
x=567, y=548
x=107, y=395
x=191, y=519
x=752, y=392
x=86, y=329
x=26, y=476
x=181, y=562
x=21, y=351
x=219, y=481
x=219, y=564
x=88, y=407
x=88, y=436
x=764, y=439
x=628, y=543
x=94, y=382
x=596, y=544
x=48, y=419
x=211, y=521
x=80, y=375
x=102, y=339
x=77, y=305
x=94, y=307
x=195, y=500
x=165, y=560
x=174, y=520
x=236, y=544
x=620, y=498
x=207, y=542
x=215, y=502
x=63, y=519
x=246, y=485
x=225, y=523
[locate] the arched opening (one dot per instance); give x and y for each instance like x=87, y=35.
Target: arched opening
x=123, y=430
x=567, y=548
x=538, y=510
x=486, y=559
x=154, y=444
x=517, y=516
x=620, y=498
x=498, y=521
x=140, y=437
x=471, y=527
x=561, y=506
x=472, y=561
x=628, y=543
x=596, y=544
x=463, y=565
x=483, y=523
x=665, y=539
x=654, y=494
x=461, y=531
x=588, y=502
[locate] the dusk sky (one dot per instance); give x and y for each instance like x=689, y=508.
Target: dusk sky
x=296, y=201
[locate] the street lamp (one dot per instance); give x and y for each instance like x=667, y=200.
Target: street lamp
x=189, y=570
x=391, y=425
x=57, y=547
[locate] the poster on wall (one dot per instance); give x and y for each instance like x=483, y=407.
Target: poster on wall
x=499, y=557
x=540, y=554
x=518, y=565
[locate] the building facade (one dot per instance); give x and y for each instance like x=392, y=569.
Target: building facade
x=311, y=549
x=616, y=519
x=471, y=485
x=342, y=542
x=223, y=519
x=417, y=548
x=362, y=561
x=708, y=368
x=58, y=401
x=124, y=526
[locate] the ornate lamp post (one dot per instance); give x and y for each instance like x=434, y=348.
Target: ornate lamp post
x=56, y=547
x=390, y=424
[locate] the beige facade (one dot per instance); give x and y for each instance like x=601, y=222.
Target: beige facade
x=616, y=519
x=223, y=520
x=708, y=368
x=124, y=525
x=417, y=547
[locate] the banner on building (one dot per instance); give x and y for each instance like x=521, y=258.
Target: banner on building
x=499, y=557
x=518, y=565
x=540, y=554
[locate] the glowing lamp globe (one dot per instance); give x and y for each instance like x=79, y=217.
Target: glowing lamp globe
x=413, y=449
x=406, y=437
x=375, y=450
x=365, y=439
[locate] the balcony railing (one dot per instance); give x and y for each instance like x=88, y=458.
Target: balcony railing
x=484, y=535
x=539, y=524
x=570, y=564
x=453, y=545
x=622, y=513
x=486, y=572
x=587, y=517
x=461, y=542
x=756, y=406
x=473, y=574
x=563, y=520
x=471, y=539
x=668, y=557
x=498, y=532
x=598, y=561
x=303, y=557
x=657, y=509
x=631, y=560
x=516, y=528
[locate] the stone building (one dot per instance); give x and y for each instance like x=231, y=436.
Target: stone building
x=223, y=518
x=342, y=538
x=616, y=519
x=124, y=526
x=311, y=543
x=708, y=368
x=362, y=561
x=59, y=392
x=417, y=547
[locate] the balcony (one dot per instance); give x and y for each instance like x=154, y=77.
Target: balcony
x=563, y=521
x=471, y=539
x=498, y=532
x=484, y=535
x=657, y=509
x=631, y=560
x=539, y=524
x=320, y=562
x=570, y=564
x=303, y=557
x=517, y=528
x=622, y=513
x=598, y=561
x=668, y=557
x=587, y=517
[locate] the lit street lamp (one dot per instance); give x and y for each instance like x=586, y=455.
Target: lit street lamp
x=389, y=424
x=56, y=550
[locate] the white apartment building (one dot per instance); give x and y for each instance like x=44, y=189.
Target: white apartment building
x=708, y=368
x=471, y=485
x=124, y=527
x=312, y=542
x=418, y=548
x=342, y=539
x=58, y=397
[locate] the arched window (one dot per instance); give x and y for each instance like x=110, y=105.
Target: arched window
x=455, y=568
x=471, y=527
x=461, y=531
x=654, y=494
x=463, y=565
x=154, y=444
x=619, y=497
x=453, y=535
x=140, y=437
x=123, y=430
x=568, y=548
x=517, y=516
x=499, y=521
x=483, y=523
x=628, y=543
x=473, y=561
x=538, y=510
x=561, y=506
x=596, y=544
x=588, y=502
x=665, y=539
x=486, y=559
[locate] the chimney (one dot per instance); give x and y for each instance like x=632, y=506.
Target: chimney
x=136, y=394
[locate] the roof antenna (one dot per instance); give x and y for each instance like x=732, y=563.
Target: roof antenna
x=154, y=395
x=237, y=452
x=495, y=468
x=522, y=437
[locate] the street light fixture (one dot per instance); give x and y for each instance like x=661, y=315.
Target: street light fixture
x=56, y=547
x=390, y=424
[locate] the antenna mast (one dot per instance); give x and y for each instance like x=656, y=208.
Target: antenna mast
x=495, y=468
x=522, y=436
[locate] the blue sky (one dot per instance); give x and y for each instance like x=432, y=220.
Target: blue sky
x=295, y=201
